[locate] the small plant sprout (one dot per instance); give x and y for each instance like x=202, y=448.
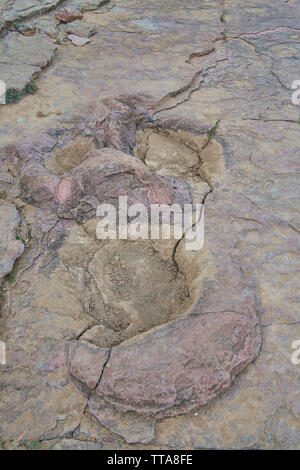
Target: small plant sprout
x=212, y=132
x=13, y=95
x=11, y=278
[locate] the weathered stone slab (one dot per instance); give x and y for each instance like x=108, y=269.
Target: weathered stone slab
x=39, y=24
x=86, y=5
x=23, y=58
x=181, y=366
x=134, y=428
x=86, y=362
x=80, y=28
x=22, y=9
x=66, y=15
x=243, y=58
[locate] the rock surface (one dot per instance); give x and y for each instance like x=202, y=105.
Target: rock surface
x=78, y=41
x=137, y=116
x=66, y=15
x=24, y=58
x=86, y=362
x=22, y=9
x=80, y=28
x=179, y=367
x=10, y=247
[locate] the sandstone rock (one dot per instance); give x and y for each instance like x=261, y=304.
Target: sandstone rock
x=46, y=307
x=78, y=40
x=198, y=358
x=105, y=175
x=22, y=9
x=69, y=155
x=140, y=290
x=101, y=336
x=66, y=15
x=24, y=58
x=10, y=247
x=133, y=428
x=86, y=362
x=42, y=24
x=26, y=29
x=72, y=444
x=90, y=429
x=79, y=192
x=88, y=5
x=249, y=262
x=51, y=418
x=80, y=28
x=272, y=421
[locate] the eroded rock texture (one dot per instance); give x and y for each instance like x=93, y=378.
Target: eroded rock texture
x=125, y=343
x=10, y=247
x=179, y=367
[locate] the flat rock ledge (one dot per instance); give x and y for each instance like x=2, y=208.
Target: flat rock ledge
x=24, y=58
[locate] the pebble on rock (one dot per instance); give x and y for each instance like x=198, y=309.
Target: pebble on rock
x=78, y=40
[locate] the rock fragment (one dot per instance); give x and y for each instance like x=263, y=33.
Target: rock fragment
x=22, y=9
x=78, y=41
x=66, y=15
x=24, y=57
x=40, y=24
x=80, y=28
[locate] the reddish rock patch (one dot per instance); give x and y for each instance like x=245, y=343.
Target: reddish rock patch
x=67, y=15
x=178, y=367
